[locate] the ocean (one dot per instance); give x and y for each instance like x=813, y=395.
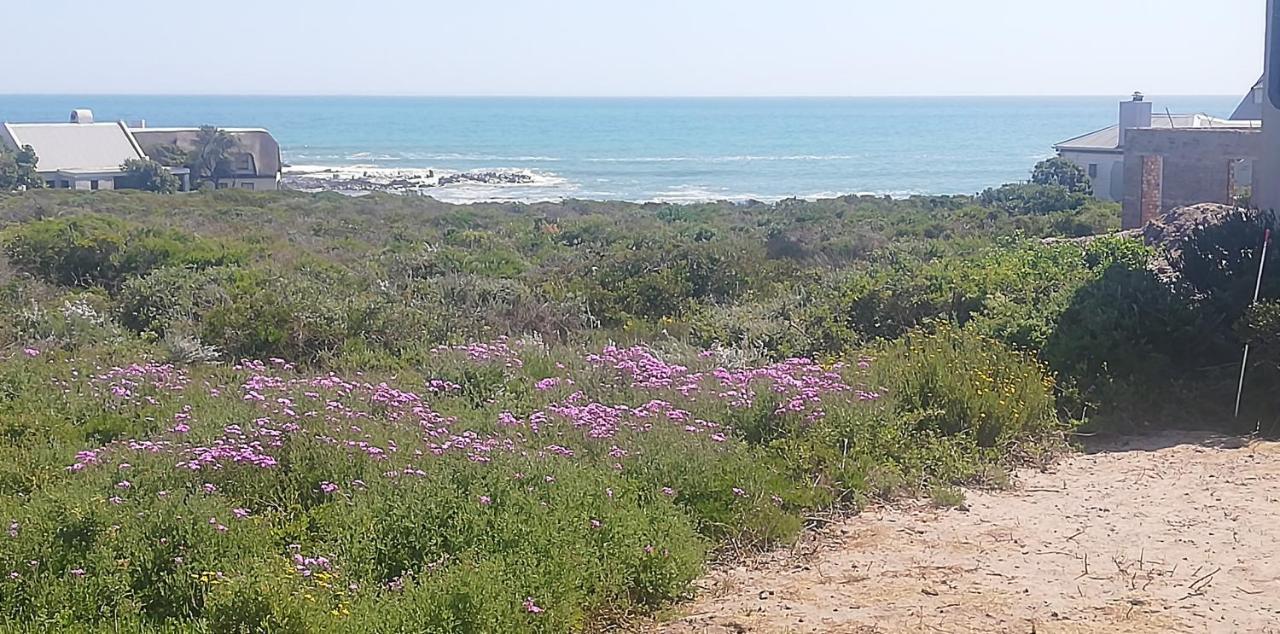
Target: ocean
x=680, y=150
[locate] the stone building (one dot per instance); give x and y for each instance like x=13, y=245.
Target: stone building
x=1101, y=153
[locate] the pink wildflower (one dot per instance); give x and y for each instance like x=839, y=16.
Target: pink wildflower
x=531, y=607
x=485, y=500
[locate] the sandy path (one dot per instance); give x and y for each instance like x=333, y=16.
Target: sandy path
x=1178, y=533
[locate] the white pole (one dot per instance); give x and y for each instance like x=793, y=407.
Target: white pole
x=1257, y=290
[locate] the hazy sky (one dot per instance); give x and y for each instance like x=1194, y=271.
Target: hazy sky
x=632, y=48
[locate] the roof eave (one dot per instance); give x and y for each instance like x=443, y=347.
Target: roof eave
x=1094, y=150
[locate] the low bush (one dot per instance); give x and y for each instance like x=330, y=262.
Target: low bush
x=95, y=250
x=964, y=384
x=548, y=490
x=1032, y=198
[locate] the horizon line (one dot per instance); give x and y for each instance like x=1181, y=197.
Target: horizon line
x=637, y=97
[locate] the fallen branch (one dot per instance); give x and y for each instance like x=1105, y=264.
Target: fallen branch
x=1203, y=579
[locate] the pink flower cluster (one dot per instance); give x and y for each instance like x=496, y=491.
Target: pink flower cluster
x=799, y=384
x=308, y=566
x=500, y=349
x=363, y=419
x=137, y=382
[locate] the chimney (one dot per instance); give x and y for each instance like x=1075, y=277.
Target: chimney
x=82, y=115
x=1134, y=114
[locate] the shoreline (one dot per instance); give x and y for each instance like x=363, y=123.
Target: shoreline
x=511, y=184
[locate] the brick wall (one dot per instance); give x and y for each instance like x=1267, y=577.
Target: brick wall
x=1165, y=169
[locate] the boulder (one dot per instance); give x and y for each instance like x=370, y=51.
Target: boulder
x=1171, y=229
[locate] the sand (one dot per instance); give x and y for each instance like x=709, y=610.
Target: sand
x=1173, y=533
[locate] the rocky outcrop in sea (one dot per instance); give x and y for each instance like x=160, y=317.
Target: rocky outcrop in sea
x=357, y=181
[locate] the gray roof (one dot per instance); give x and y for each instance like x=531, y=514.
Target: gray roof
x=1250, y=107
x=1108, y=139
x=83, y=147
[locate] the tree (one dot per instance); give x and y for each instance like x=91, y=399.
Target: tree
x=1032, y=198
x=211, y=159
x=18, y=169
x=170, y=155
x=148, y=175
x=1060, y=171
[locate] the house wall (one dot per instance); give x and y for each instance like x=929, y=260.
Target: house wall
x=1195, y=165
x=1266, y=177
x=258, y=184
x=1109, y=183
x=103, y=184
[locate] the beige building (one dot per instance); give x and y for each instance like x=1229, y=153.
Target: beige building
x=256, y=163
x=1102, y=153
x=1153, y=163
x=83, y=154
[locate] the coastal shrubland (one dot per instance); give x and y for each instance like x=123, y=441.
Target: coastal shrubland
x=248, y=412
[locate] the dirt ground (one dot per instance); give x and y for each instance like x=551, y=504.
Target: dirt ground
x=1175, y=533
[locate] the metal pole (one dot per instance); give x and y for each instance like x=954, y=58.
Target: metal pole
x=1257, y=290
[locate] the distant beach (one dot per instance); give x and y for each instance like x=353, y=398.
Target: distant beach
x=677, y=150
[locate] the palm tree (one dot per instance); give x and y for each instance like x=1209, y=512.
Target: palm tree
x=211, y=158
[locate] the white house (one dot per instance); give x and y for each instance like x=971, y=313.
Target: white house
x=1101, y=153
x=81, y=154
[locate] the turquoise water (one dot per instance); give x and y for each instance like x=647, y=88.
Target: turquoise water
x=651, y=149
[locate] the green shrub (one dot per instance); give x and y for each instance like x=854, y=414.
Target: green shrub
x=969, y=385
x=1031, y=198
x=148, y=175
x=94, y=250
x=1064, y=173
x=173, y=295
x=1220, y=263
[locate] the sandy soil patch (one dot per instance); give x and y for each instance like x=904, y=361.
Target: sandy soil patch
x=1174, y=533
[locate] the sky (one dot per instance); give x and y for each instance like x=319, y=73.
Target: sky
x=630, y=48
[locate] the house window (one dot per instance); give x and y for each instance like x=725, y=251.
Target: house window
x=244, y=164
x=93, y=185
x=223, y=185
x=51, y=184
x=248, y=186
x=1093, y=170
